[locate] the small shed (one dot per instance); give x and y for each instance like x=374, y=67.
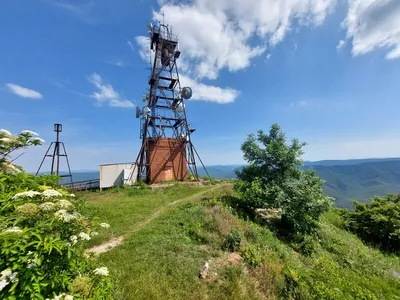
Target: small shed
x=117, y=174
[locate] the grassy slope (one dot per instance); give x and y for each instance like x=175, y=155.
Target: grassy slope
x=163, y=258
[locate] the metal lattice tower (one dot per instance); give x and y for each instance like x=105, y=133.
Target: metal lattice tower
x=164, y=129
x=56, y=154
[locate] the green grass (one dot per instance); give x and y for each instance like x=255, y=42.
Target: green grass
x=165, y=246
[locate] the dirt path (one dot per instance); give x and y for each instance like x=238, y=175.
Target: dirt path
x=107, y=246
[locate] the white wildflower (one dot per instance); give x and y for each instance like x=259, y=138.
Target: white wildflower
x=29, y=194
x=94, y=233
x=73, y=239
x=6, y=132
x=105, y=225
x=62, y=296
x=31, y=263
x=7, y=276
x=65, y=204
x=5, y=139
x=51, y=193
x=72, y=195
x=3, y=283
x=30, y=132
x=15, y=229
x=64, y=216
x=84, y=236
x=40, y=140
x=6, y=273
x=47, y=206
x=103, y=271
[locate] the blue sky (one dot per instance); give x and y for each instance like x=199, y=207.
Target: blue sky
x=327, y=71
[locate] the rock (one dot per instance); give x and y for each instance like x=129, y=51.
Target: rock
x=203, y=271
x=395, y=274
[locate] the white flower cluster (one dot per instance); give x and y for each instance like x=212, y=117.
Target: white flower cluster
x=51, y=193
x=15, y=229
x=47, y=206
x=6, y=277
x=73, y=239
x=94, y=233
x=103, y=271
x=65, y=204
x=72, y=195
x=6, y=132
x=84, y=236
x=62, y=296
x=65, y=216
x=30, y=132
x=105, y=225
x=40, y=140
x=29, y=194
x=5, y=139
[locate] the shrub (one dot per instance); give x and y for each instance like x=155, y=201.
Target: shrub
x=233, y=241
x=42, y=237
x=378, y=222
x=274, y=179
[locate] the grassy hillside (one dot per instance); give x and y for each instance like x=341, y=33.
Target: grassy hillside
x=168, y=236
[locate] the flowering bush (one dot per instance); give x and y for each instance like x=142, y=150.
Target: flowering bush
x=42, y=238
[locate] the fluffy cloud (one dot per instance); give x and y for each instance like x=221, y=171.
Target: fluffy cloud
x=229, y=33
x=106, y=93
x=23, y=92
x=374, y=24
x=209, y=93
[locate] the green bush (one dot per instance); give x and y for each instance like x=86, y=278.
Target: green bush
x=274, y=179
x=42, y=238
x=378, y=222
x=233, y=241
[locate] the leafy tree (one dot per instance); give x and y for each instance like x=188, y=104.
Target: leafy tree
x=274, y=179
x=378, y=222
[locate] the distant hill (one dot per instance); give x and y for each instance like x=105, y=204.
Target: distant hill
x=346, y=180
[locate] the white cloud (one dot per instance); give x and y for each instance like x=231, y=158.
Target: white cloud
x=209, y=93
x=302, y=103
x=144, y=48
x=228, y=34
x=23, y=92
x=118, y=63
x=374, y=24
x=107, y=93
x=131, y=46
x=341, y=44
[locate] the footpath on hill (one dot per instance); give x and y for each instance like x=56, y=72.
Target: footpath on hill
x=159, y=206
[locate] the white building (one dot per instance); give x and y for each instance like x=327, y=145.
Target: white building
x=117, y=174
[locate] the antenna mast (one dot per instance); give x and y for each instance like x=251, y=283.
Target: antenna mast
x=167, y=152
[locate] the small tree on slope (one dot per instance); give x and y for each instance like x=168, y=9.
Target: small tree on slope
x=274, y=179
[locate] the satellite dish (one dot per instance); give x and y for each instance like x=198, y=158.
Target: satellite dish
x=146, y=110
x=180, y=107
x=186, y=93
x=138, y=112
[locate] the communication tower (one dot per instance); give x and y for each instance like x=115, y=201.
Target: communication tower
x=167, y=152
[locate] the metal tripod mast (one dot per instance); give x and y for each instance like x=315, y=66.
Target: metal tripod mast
x=164, y=114
x=56, y=154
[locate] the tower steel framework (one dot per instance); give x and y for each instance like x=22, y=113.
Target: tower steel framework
x=56, y=154
x=163, y=120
